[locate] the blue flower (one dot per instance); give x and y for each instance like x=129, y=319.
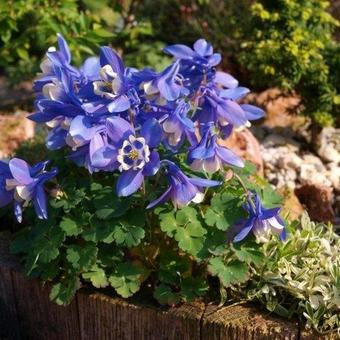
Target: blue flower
x=202, y=54
x=21, y=183
x=182, y=189
x=163, y=86
x=221, y=106
x=114, y=84
x=262, y=222
x=208, y=156
x=132, y=155
x=197, y=64
x=177, y=126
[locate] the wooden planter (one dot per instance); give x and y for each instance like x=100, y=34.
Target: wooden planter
x=27, y=313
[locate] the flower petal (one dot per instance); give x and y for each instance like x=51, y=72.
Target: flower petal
x=152, y=132
x=110, y=57
x=119, y=104
x=129, y=182
x=201, y=182
x=235, y=93
x=252, y=112
x=18, y=211
x=20, y=171
x=40, y=202
x=103, y=157
x=203, y=48
x=226, y=80
x=180, y=51
x=229, y=157
x=118, y=129
x=161, y=199
x=246, y=228
x=153, y=165
x=63, y=47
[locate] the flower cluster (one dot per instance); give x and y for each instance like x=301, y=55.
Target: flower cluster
x=116, y=118
x=134, y=122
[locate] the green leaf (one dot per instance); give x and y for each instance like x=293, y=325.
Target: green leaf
x=70, y=227
x=63, y=292
x=22, y=53
x=249, y=253
x=224, y=211
x=82, y=257
x=126, y=279
x=185, y=227
x=129, y=230
x=190, y=238
x=192, y=288
x=232, y=273
x=99, y=231
x=270, y=198
x=107, y=204
x=97, y=277
x=165, y=296
x=47, y=243
x=168, y=223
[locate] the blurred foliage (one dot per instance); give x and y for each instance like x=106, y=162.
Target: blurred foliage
x=284, y=43
x=29, y=27
x=289, y=44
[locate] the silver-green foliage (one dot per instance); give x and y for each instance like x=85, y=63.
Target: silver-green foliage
x=302, y=276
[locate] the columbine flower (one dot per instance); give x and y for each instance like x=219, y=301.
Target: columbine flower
x=21, y=183
x=176, y=125
x=130, y=154
x=262, y=222
x=208, y=156
x=182, y=189
x=221, y=106
x=161, y=87
x=202, y=54
x=113, y=87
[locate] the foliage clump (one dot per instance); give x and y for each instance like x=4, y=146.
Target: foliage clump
x=301, y=276
x=289, y=44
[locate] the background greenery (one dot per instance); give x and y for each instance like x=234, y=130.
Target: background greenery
x=284, y=43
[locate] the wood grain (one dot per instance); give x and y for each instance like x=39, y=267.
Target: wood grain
x=245, y=322
x=104, y=318
x=38, y=317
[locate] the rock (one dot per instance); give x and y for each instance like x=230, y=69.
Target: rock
x=318, y=200
x=334, y=175
x=328, y=145
x=278, y=107
x=14, y=129
x=245, y=145
x=274, y=140
x=292, y=209
x=313, y=174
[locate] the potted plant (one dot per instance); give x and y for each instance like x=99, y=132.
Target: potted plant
x=138, y=193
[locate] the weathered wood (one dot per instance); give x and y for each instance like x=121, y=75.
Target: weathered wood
x=313, y=335
x=8, y=311
x=38, y=317
x=243, y=322
x=104, y=318
x=27, y=313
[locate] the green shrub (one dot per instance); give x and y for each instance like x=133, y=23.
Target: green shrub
x=289, y=44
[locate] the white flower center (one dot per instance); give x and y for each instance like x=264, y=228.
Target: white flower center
x=134, y=154
x=22, y=192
